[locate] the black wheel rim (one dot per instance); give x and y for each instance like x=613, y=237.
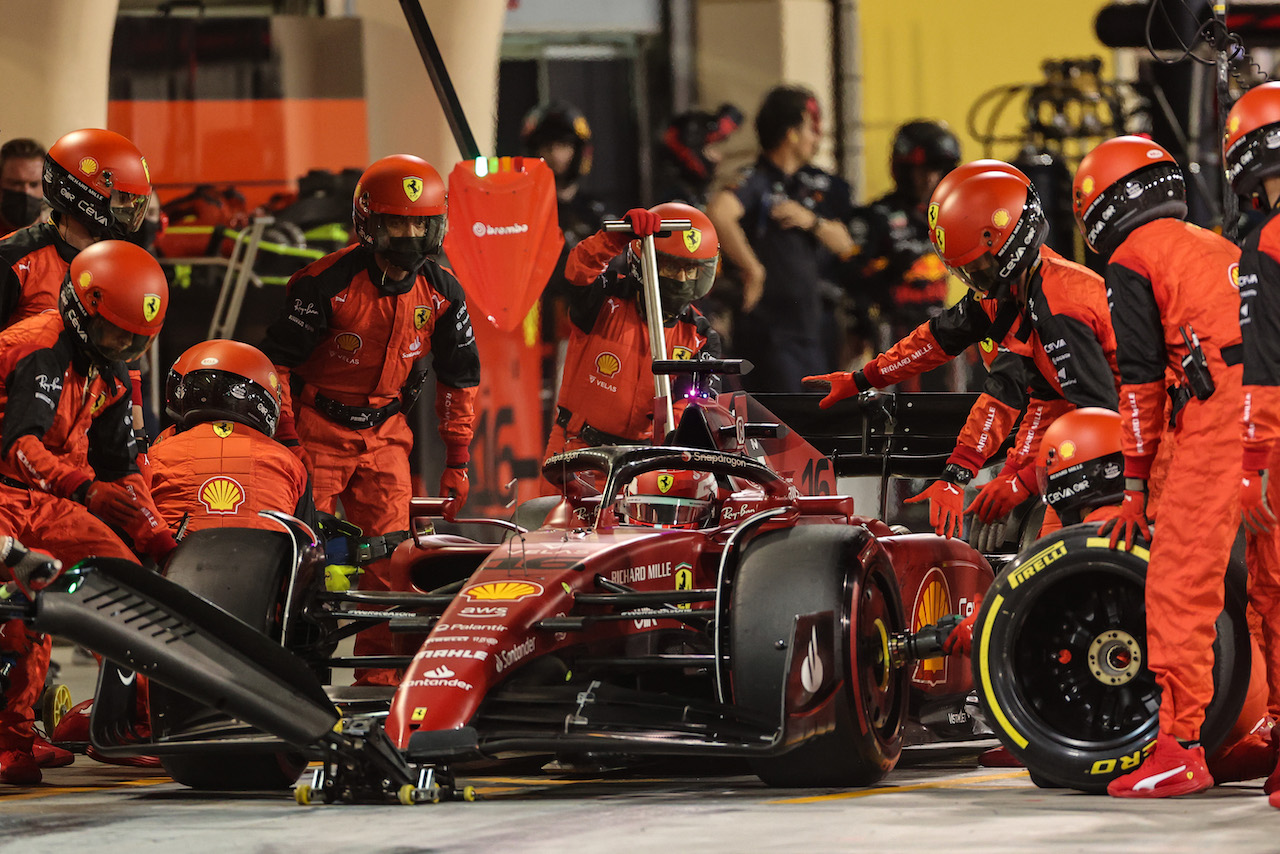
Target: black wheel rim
x=1078, y=664
x=880, y=692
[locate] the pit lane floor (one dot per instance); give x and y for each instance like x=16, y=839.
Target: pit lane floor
x=937, y=800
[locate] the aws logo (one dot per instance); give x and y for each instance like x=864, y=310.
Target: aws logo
x=221, y=495
x=503, y=591
x=608, y=364
x=933, y=602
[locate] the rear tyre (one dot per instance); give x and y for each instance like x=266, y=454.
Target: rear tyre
x=246, y=573
x=1060, y=660
x=811, y=569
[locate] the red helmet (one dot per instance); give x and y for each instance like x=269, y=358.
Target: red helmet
x=962, y=173
x=400, y=185
x=224, y=380
x=670, y=498
x=114, y=298
x=1253, y=137
x=1124, y=183
x=989, y=229
x=100, y=179
x=687, y=260
x=1080, y=465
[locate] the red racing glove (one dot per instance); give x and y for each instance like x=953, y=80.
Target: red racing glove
x=945, y=502
x=1001, y=495
x=454, y=482
x=31, y=570
x=643, y=222
x=960, y=641
x=113, y=503
x=842, y=384
x=1254, y=507
x=1132, y=519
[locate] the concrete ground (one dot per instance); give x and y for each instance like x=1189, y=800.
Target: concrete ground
x=937, y=800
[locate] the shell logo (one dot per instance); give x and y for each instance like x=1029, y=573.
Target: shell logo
x=88, y=165
x=1233, y=124
x=940, y=239
x=1234, y=273
x=150, y=306
x=932, y=215
x=223, y=429
x=933, y=602
x=86, y=279
x=1086, y=186
x=1067, y=449
x=348, y=341
x=413, y=188
x=273, y=379
x=221, y=495
x=503, y=591
x=693, y=239
x=1000, y=218
x=608, y=364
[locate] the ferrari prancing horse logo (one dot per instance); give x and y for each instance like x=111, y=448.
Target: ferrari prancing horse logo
x=150, y=306
x=421, y=314
x=693, y=239
x=664, y=482
x=413, y=188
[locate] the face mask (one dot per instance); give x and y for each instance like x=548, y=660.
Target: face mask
x=145, y=236
x=407, y=253
x=18, y=209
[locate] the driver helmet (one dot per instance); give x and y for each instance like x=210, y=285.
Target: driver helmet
x=688, y=136
x=921, y=147
x=100, y=179
x=224, y=380
x=1080, y=465
x=1253, y=135
x=988, y=230
x=1124, y=183
x=113, y=300
x=670, y=498
x=687, y=260
x=405, y=187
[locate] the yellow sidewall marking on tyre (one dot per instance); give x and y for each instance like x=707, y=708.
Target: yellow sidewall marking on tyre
x=1105, y=543
x=984, y=649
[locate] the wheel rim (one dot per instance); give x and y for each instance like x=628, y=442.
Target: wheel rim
x=872, y=666
x=1077, y=663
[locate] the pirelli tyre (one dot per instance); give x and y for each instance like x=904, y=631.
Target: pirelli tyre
x=244, y=572
x=1060, y=665
x=812, y=569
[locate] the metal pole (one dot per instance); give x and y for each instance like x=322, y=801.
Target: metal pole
x=440, y=78
x=1230, y=213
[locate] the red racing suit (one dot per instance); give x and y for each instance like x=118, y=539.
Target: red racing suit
x=33, y=262
x=1259, y=279
x=350, y=351
x=220, y=474
x=62, y=424
x=1168, y=275
x=1056, y=351
x=606, y=396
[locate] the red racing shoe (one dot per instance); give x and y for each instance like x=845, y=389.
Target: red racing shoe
x=50, y=755
x=19, y=768
x=74, y=726
x=1169, y=771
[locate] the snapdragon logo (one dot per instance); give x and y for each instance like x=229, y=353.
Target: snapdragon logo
x=481, y=229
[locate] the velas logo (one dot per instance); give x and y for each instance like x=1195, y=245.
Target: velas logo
x=348, y=341
x=608, y=364
x=664, y=483
x=693, y=239
x=413, y=187
x=503, y=591
x=222, y=429
x=88, y=166
x=221, y=495
x=933, y=602
x=150, y=306
x=421, y=314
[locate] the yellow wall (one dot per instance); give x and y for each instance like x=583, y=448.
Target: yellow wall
x=934, y=58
